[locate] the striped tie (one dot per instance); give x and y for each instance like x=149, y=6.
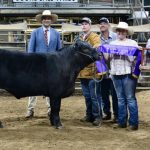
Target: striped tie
x=46, y=36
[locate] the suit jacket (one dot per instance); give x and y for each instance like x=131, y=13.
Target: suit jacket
x=37, y=41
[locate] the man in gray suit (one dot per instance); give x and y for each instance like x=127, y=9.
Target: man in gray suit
x=43, y=40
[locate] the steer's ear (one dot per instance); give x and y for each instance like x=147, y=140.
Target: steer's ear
x=77, y=41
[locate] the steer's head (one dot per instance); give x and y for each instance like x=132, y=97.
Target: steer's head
x=84, y=48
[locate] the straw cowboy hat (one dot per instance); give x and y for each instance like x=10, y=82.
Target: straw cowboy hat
x=48, y=13
x=123, y=25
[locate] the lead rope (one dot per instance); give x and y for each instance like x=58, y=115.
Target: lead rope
x=96, y=81
x=85, y=55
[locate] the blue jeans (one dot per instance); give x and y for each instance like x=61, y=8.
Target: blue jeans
x=107, y=88
x=92, y=93
x=125, y=86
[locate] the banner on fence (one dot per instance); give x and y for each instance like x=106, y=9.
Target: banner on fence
x=44, y=1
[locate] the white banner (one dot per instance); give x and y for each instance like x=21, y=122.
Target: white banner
x=45, y=1
x=140, y=14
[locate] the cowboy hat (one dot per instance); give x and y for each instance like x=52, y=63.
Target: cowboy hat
x=48, y=13
x=124, y=26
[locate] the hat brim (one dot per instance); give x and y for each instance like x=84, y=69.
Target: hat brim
x=54, y=17
x=85, y=21
x=100, y=21
x=130, y=31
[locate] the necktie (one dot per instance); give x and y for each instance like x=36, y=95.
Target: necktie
x=46, y=36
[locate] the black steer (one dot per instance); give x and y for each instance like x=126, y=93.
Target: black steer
x=52, y=74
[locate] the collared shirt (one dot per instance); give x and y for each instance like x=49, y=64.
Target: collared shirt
x=91, y=37
x=48, y=33
x=84, y=36
x=112, y=36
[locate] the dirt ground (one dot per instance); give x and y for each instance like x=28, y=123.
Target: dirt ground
x=37, y=134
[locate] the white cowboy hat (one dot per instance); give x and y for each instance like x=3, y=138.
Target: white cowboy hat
x=54, y=17
x=123, y=25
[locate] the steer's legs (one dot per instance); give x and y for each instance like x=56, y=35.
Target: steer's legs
x=54, y=116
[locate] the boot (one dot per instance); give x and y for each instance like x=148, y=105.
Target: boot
x=86, y=119
x=97, y=122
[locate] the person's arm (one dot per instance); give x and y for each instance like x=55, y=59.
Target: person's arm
x=148, y=43
x=132, y=58
x=31, y=46
x=148, y=46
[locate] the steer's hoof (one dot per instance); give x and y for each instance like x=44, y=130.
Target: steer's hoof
x=1, y=125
